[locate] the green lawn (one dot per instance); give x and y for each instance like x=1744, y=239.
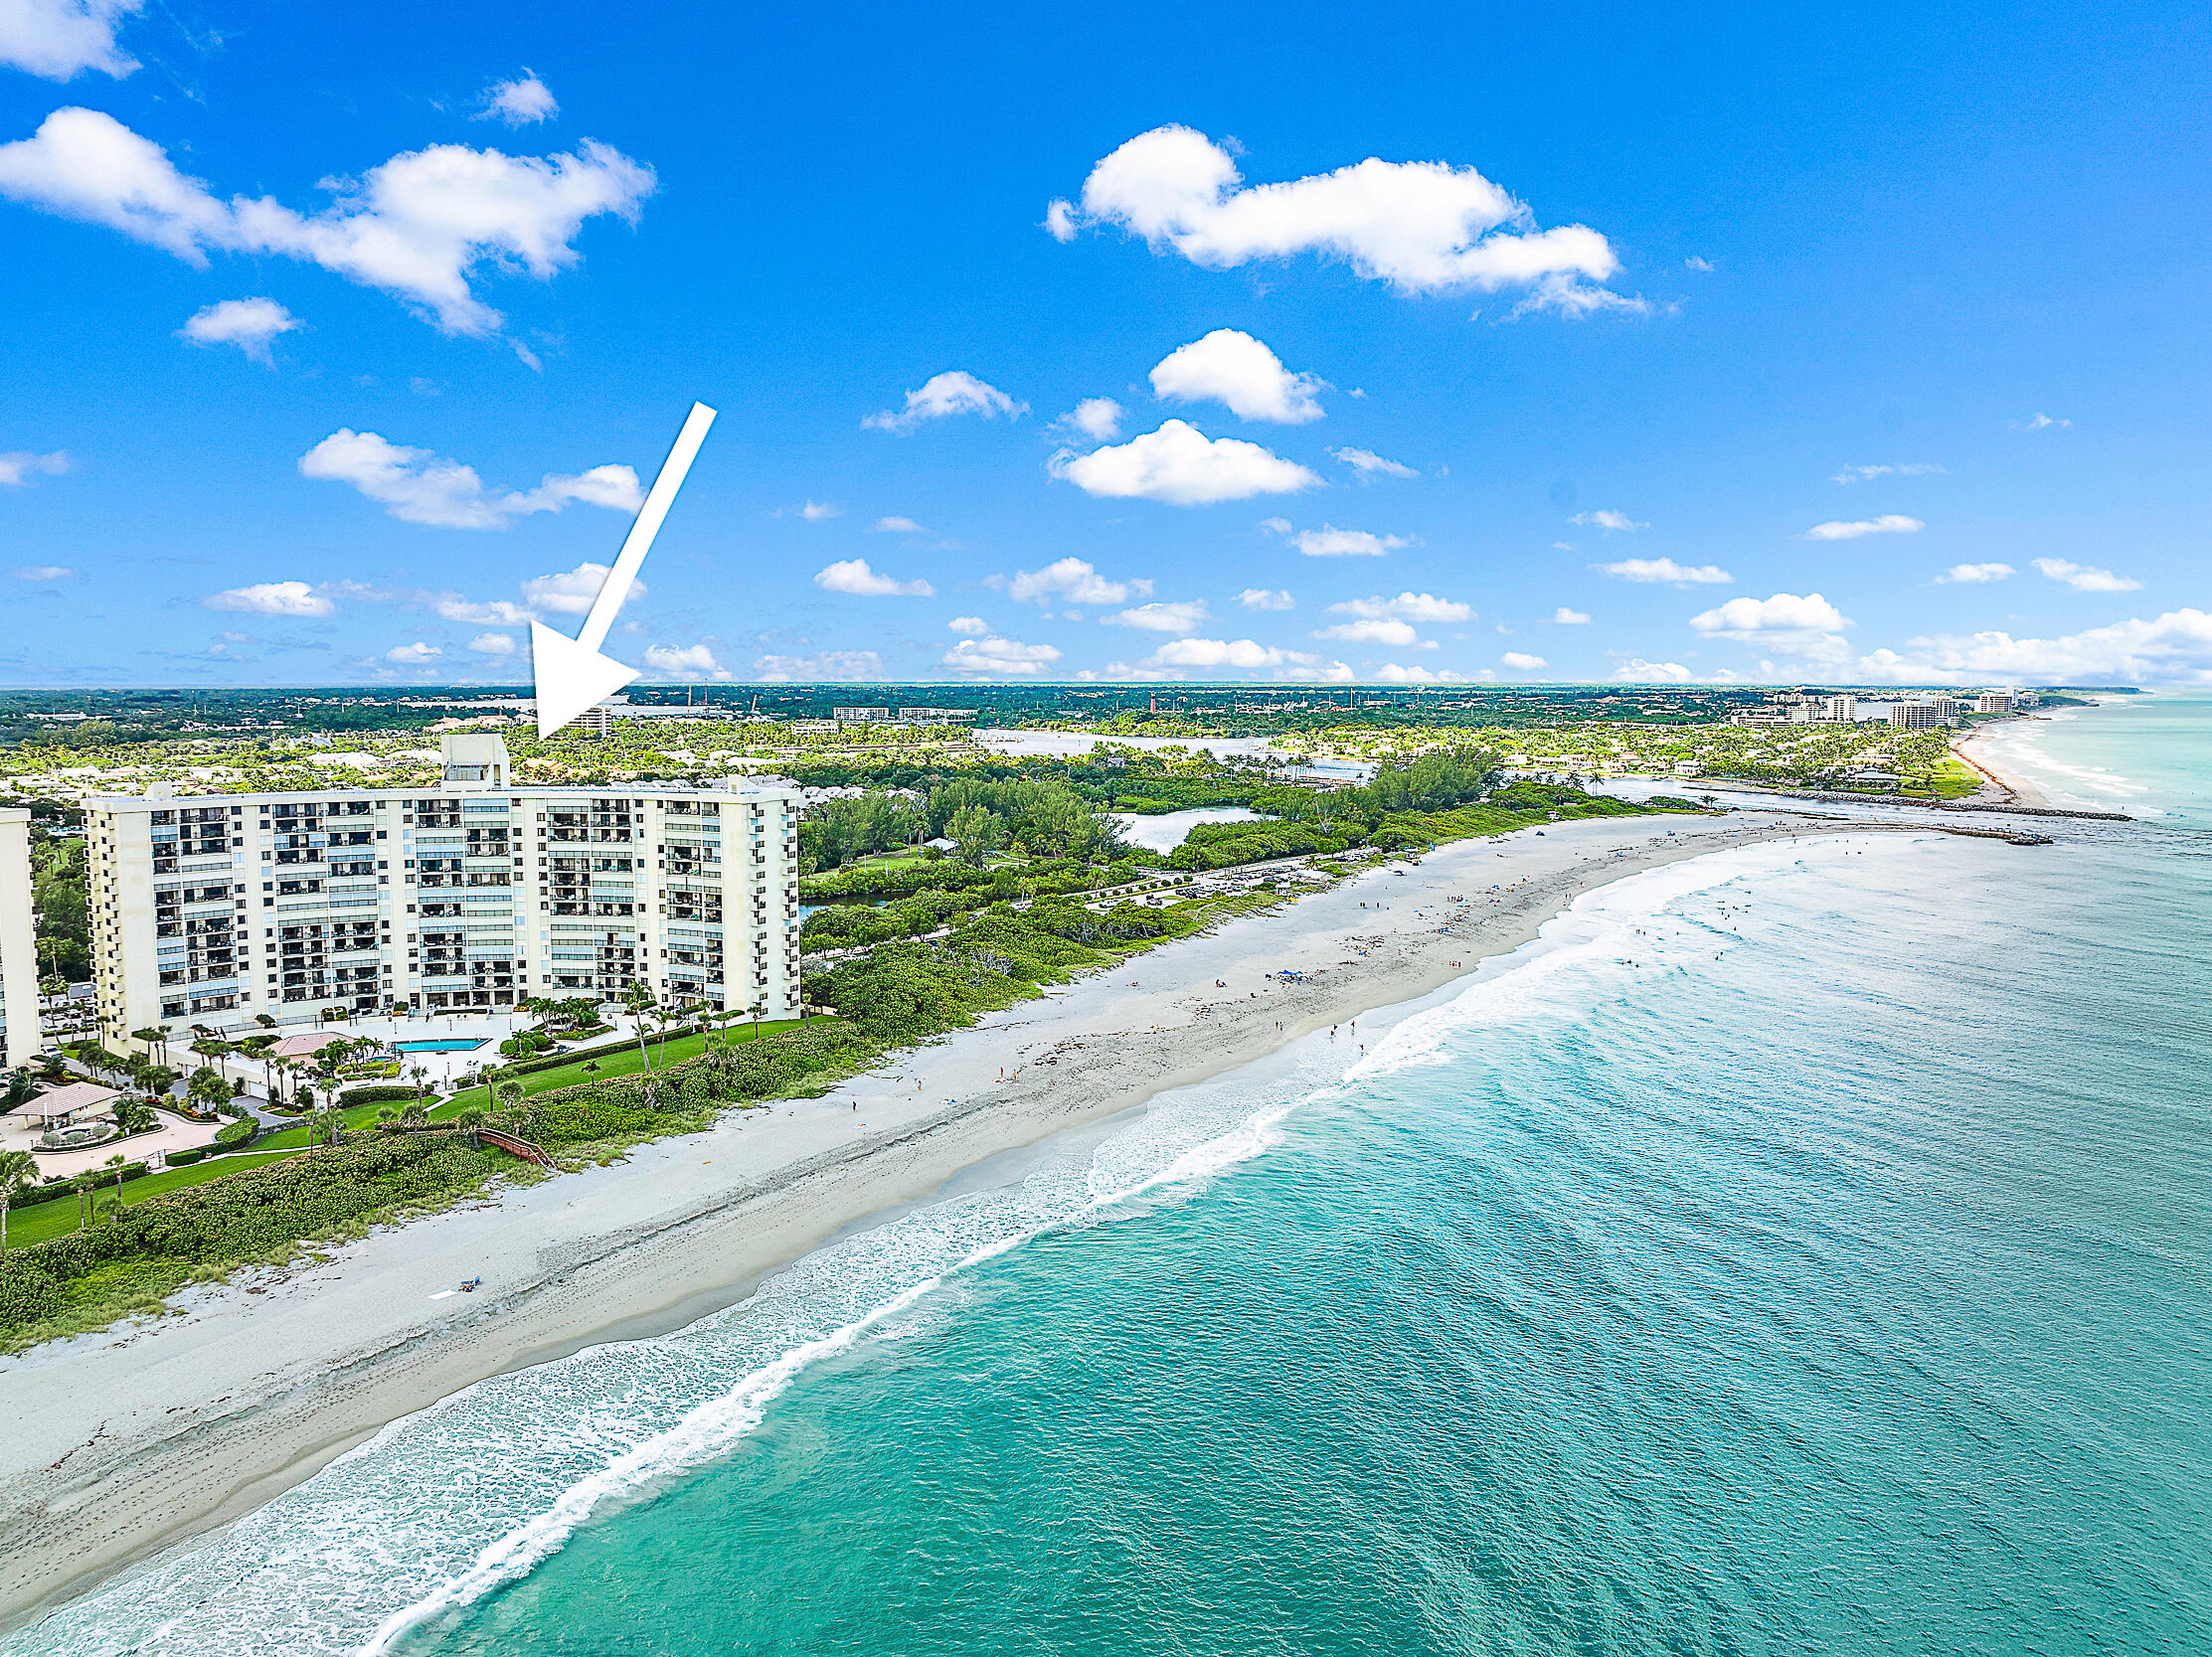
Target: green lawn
x=610, y=1065
x=49, y=1220
x=1950, y=777
x=877, y=859
x=355, y=1116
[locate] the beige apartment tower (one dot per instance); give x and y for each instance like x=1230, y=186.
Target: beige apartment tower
x=473, y=893
x=19, y=946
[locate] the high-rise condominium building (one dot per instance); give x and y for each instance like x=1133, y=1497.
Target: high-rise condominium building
x=473, y=893
x=1918, y=715
x=19, y=946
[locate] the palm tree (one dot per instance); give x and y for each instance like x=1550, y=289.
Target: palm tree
x=419, y=1076
x=21, y=1090
x=19, y=1171
x=508, y=1096
x=326, y=1125
x=638, y=1001
x=153, y=1035
x=414, y=1115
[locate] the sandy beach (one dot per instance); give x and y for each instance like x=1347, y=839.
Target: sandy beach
x=1976, y=749
x=122, y=1442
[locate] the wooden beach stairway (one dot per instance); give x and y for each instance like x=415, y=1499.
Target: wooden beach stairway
x=515, y=1145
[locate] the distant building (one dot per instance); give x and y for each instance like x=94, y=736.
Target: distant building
x=19, y=947
x=1844, y=710
x=861, y=716
x=938, y=715
x=1993, y=702
x=1916, y=716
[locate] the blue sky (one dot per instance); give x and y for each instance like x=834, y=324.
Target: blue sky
x=1774, y=346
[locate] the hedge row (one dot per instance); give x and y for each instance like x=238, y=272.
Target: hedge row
x=381, y=1095
x=103, y=1177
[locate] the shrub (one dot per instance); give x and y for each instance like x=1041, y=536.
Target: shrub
x=377, y=1093
x=236, y=1137
x=178, y=1159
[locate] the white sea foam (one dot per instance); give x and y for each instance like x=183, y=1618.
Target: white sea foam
x=1633, y=929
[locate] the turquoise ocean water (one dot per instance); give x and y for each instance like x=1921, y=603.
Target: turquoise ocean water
x=1800, y=1249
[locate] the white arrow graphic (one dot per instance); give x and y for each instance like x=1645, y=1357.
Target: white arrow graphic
x=572, y=674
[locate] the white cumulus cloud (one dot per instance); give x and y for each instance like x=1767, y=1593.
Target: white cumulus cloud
x=1179, y=617
x=1072, y=581
x=1902, y=468
x=1266, y=598
x=1238, y=653
x=945, y=395
x=1406, y=606
x=1565, y=618
x=1639, y=671
x=1606, y=519
x=2039, y=422
x=1395, y=673
x=42, y=572
x=1890, y=523
x=1330, y=541
x=519, y=103
x=827, y=664
x=1370, y=466
x=418, y=487
x=1520, y=662
x=1000, y=655
x=492, y=644
x=1096, y=417
x=2173, y=648
x=815, y=511
x=1805, y=625
x=1373, y=632
x=1180, y=465
x=570, y=592
x=417, y=654
x=1423, y=227
x=972, y=626
x=249, y=324
x=1232, y=368
x=19, y=466
x=419, y=225
x=896, y=525
x=1653, y=570
x=2083, y=578
x=687, y=661
x=1973, y=573
x=853, y=575
x=61, y=39
x=272, y=598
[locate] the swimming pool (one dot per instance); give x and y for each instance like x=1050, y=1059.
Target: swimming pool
x=444, y=1043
